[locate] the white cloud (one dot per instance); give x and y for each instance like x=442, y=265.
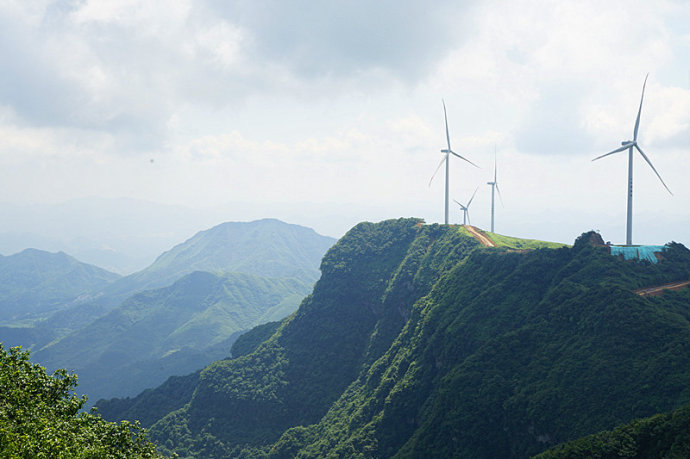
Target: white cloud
x=340, y=102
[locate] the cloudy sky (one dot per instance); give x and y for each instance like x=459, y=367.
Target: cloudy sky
x=329, y=113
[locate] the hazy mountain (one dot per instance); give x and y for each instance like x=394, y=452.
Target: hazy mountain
x=418, y=342
x=179, y=314
x=268, y=247
x=34, y=282
x=171, y=330
x=126, y=235
x=123, y=235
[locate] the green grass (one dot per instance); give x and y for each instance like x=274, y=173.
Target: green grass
x=522, y=244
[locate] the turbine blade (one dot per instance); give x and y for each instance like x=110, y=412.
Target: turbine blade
x=637, y=121
x=499, y=195
x=464, y=159
x=495, y=166
x=624, y=147
x=468, y=217
x=470, y=201
x=437, y=168
x=461, y=206
x=446, y=118
x=650, y=165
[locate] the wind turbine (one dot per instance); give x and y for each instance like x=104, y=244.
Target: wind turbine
x=494, y=187
x=629, y=145
x=446, y=158
x=466, y=209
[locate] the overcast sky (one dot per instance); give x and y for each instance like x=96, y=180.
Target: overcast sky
x=331, y=111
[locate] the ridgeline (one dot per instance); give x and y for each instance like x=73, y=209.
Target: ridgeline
x=418, y=341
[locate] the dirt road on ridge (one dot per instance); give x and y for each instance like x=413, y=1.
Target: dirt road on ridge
x=480, y=236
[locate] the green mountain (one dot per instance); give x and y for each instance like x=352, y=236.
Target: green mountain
x=369, y=282
x=152, y=404
x=125, y=334
x=34, y=283
x=171, y=330
x=268, y=248
x=417, y=342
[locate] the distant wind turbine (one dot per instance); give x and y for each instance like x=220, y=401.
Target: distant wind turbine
x=446, y=158
x=466, y=209
x=629, y=145
x=494, y=187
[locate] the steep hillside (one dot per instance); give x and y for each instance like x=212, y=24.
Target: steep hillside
x=369, y=282
x=514, y=352
x=268, y=248
x=173, y=330
x=661, y=436
x=152, y=404
x=417, y=342
x=34, y=282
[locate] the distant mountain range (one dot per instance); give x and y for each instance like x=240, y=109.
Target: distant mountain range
x=124, y=334
x=268, y=248
x=34, y=283
x=170, y=330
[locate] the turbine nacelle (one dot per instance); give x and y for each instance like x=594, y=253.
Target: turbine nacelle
x=628, y=143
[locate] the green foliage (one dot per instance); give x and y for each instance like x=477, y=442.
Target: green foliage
x=249, y=341
x=513, y=352
x=152, y=404
x=39, y=417
x=417, y=342
x=173, y=330
x=661, y=436
x=370, y=281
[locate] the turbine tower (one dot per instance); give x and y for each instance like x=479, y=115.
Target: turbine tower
x=494, y=187
x=629, y=145
x=446, y=158
x=466, y=209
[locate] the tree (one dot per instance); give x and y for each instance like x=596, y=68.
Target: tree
x=40, y=417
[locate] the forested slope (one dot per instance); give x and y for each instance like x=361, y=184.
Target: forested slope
x=418, y=342
x=170, y=331
x=664, y=435
x=369, y=282
x=513, y=352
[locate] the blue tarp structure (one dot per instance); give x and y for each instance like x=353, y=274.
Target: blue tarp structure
x=637, y=252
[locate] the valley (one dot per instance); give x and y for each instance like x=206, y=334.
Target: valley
x=125, y=334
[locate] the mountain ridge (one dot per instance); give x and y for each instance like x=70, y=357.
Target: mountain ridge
x=267, y=247
x=195, y=313
x=34, y=282
x=409, y=321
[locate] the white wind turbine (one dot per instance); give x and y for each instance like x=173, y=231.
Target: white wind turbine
x=446, y=158
x=494, y=187
x=466, y=209
x=629, y=145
